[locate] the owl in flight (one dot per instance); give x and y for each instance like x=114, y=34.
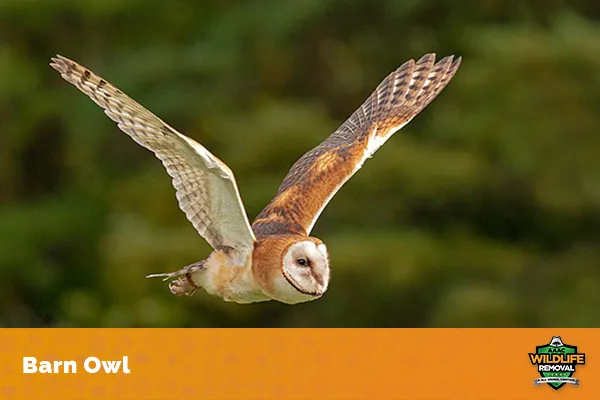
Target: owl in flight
x=275, y=257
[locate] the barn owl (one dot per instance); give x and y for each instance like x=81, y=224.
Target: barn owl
x=275, y=258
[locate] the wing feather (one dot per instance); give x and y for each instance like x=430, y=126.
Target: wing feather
x=205, y=187
x=315, y=178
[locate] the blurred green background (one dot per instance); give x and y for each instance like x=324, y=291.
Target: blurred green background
x=484, y=211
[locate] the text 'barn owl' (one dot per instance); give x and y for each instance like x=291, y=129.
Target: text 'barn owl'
x=274, y=258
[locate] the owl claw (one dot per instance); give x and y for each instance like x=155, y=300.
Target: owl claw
x=184, y=285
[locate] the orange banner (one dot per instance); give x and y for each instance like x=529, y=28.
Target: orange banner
x=299, y=363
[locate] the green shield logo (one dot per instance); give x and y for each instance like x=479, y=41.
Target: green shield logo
x=568, y=371
x=556, y=363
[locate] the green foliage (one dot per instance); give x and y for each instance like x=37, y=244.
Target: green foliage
x=484, y=211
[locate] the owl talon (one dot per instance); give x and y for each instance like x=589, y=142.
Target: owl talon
x=184, y=285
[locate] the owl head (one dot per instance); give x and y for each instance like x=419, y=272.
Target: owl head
x=298, y=269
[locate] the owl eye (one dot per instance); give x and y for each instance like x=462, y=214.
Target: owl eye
x=302, y=261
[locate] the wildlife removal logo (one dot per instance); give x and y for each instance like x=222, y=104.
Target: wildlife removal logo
x=556, y=363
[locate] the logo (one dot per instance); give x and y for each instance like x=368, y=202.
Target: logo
x=556, y=363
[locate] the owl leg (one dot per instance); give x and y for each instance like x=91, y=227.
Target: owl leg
x=183, y=285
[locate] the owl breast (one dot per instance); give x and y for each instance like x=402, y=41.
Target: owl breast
x=230, y=278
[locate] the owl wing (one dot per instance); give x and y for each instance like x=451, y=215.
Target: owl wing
x=317, y=176
x=205, y=187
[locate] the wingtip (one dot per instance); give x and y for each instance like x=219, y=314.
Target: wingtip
x=56, y=59
x=427, y=58
x=57, y=63
x=452, y=62
x=452, y=59
x=60, y=63
x=431, y=57
x=455, y=64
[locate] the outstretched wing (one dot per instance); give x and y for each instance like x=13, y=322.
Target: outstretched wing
x=206, y=188
x=315, y=178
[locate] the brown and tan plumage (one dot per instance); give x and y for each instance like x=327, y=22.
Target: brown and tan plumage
x=275, y=258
